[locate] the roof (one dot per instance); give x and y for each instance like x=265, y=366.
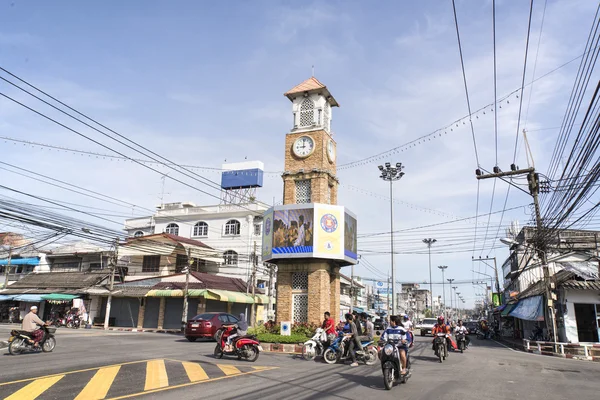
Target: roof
x=80, y=247
x=59, y=280
x=175, y=238
x=312, y=84
x=584, y=285
x=207, y=281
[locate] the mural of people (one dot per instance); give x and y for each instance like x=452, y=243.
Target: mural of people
x=292, y=229
x=350, y=239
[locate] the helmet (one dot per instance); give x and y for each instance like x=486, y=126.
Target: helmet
x=441, y=319
x=405, y=316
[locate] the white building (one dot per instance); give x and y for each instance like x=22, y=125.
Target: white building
x=235, y=230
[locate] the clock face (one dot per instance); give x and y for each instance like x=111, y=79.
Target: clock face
x=304, y=146
x=330, y=151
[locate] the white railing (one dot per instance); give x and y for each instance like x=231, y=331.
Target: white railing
x=576, y=350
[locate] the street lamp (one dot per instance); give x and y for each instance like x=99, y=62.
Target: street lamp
x=450, y=280
x=443, y=268
x=392, y=173
x=453, y=297
x=429, y=242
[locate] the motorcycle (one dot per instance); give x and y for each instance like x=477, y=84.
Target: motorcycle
x=339, y=349
x=461, y=342
x=537, y=335
x=391, y=365
x=21, y=341
x=73, y=321
x=244, y=347
x=315, y=346
x=440, y=346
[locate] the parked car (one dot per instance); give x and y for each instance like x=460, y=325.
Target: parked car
x=471, y=326
x=378, y=324
x=426, y=325
x=206, y=325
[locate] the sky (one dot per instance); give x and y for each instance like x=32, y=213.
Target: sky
x=202, y=82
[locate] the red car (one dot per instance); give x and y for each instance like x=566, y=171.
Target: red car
x=206, y=325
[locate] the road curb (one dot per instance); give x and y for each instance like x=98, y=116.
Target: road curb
x=3, y=344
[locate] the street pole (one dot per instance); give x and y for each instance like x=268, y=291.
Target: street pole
x=388, y=296
x=450, y=280
x=113, y=267
x=271, y=290
x=443, y=268
x=429, y=242
x=392, y=173
x=6, y=272
x=351, y=288
x=254, y=266
x=184, y=313
x=495, y=270
x=454, y=313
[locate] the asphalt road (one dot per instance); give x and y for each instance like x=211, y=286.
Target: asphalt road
x=89, y=364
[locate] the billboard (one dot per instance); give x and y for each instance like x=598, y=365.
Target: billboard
x=309, y=231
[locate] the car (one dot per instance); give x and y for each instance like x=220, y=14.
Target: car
x=426, y=325
x=378, y=324
x=472, y=326
x=205, y=325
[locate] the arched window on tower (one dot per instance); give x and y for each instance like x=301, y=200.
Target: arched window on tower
x=307, y=112
x=138, y=234
x=172, y=229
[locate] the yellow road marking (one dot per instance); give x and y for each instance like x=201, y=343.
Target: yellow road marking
x=229, y=369
x=34, y=389
x=156, y=375
x=72, y=372
x=194, y=371
x=98, y=386
x=185, y=385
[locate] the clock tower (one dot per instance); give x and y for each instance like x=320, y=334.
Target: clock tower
x=309, y=237
x=310, y=151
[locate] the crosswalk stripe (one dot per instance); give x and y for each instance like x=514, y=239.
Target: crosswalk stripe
x=34, y=389
x=194, y=371
x=156, y=375
x=98, y=386
x=229, y=369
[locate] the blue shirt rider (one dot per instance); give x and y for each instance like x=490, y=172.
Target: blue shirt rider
x=397, y=334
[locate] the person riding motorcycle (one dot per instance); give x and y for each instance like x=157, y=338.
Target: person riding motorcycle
x=329, y=327
x=442, y=327
x=485, y=328
x=460, y=328
x=240, y=329
x=30, y=324
x=408, y=325
x=399, y=336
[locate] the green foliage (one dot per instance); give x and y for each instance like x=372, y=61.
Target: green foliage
x=428, y=313
x=300, y=328
x=276, y=338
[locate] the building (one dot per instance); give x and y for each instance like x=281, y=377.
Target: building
x=19, y=258
x=352, y=293
x=232, y=229
x=574, y=279
x=310, y=237
x=413, y=300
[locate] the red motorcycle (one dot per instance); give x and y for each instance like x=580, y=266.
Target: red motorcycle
x=244, y=347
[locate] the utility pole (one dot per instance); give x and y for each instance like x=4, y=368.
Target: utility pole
x=450, y=280
x=455, y=301
x=254, y=266
x=443, y=268
x=495, y=270
x=392, y=173
x=388, y=296
x=352, y=289
x=429, y=242
x=271, y=289
x=7, y=270
x=533, y=180
x=184, y=314
x=113, y=267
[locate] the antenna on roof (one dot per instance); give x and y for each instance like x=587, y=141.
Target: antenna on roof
x=313, y=71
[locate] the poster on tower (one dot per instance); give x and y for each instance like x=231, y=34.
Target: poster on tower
x=329, y=224
x=267, y=238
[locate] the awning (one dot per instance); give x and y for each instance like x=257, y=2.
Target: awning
x=530, y=309
x=32, y=298
x=228, y=296
x=5, y=297
x=59, y=297
x=176, y=293
x=508, y=309
x=499, y=308
x=21, y=261
x=358, y=309
x=263, y=299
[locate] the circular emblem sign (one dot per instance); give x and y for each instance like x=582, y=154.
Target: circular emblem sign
x=268, y=226
x=329, y=223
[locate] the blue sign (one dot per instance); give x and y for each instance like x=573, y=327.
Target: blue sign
x=379, y=284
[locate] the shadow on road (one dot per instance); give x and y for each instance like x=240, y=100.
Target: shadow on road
x=369, y=381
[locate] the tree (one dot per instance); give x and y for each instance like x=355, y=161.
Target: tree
x=428, y=313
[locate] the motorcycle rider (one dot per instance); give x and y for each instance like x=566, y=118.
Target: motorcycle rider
x=463, y=329
x=408, y=325
x=329, y=327
x=442, y=327
x=30, y=324
x=240, y=329
x=400, y=338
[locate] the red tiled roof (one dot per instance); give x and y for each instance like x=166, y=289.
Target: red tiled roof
x=207, y=281
x=311, y=83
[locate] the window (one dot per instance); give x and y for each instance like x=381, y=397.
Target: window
x=307, y=112
x=65, y=266
x=232, y=227
x=223, y=318
x=257, y=229
x=326, y=119
x=138, y=234
x=180, y=263
x=303, y=191
x=151, y=264
x=230, y=257
x=232, y=319
x=172, y=229
x=201, y=229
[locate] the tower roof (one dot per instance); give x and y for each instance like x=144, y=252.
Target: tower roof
x=311, y=85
